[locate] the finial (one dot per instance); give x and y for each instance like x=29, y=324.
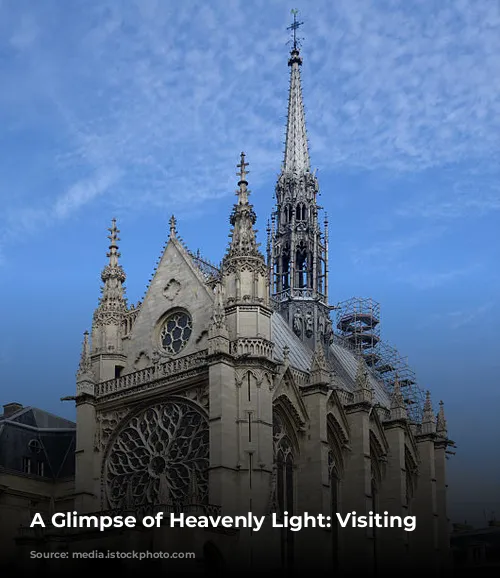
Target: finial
x=243, y=172
x=428, y=418
x=113, y=243
x=398, y=408
x=173, y=227
x=428, y=402
x=441, y=427
x=242, y=192
x=294, y=26
x=85, y=363
x=113, y=236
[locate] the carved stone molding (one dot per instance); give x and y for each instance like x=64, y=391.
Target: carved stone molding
x=198, y=395
x=171, y=289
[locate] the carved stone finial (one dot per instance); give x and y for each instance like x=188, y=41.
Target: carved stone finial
x=319, y=367
x=363, y=391
x=85, y=364
x=243, y=238
x=243, y=172
x=441, y=426
x=112, y=304
x=398, y=406
x=428, y=418
x=173, y=227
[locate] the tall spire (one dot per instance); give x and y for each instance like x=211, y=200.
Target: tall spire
x=243, y=239
x=296, y=159
x=298, y=247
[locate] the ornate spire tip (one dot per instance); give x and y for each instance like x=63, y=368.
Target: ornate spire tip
x=173, y=227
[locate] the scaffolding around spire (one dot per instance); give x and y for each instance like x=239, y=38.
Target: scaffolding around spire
x=358, y=325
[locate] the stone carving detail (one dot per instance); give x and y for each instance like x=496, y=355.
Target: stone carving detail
x=142, y=361
x=281, y=440
x=297, y=323
x=309, y=324
x=161, y=452
x=172, y=289
x=105, y=426
x=199, y=395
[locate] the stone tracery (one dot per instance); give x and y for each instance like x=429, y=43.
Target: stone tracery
x=161, y=453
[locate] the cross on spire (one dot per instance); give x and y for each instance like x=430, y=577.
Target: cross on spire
x=243, y=172
x=294, y=26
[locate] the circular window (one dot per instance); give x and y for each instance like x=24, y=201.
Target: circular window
x=35, y=446
x=176, y=331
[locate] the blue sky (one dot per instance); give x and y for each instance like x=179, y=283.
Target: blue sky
x=139, y=109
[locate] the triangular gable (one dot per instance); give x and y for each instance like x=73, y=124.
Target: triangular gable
x=378, y=431
x=287, y=388
x=335, y=408
x=176, y=284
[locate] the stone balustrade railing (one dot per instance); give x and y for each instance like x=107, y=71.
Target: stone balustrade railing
x=152, y=373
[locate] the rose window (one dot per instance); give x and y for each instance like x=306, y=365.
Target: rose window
x=176, y=331
x=160, y=456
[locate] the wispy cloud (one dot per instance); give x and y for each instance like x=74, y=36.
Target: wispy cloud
x=387, y=251
x=168, y=97
x=464, y=200
x=458, y=319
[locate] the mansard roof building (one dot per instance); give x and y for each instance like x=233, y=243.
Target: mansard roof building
x=228, y=390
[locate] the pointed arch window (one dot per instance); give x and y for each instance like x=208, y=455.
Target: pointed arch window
x=334, y=478
x=300, y=212
x=302, y=266
x=285, y=484
x=285, y=268
x=376, y=480
x=335, y=473
x=410, y=483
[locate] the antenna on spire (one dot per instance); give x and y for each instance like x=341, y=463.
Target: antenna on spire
x=294, y=26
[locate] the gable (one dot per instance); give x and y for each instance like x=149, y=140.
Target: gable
x=177, y=286
x=288, y=395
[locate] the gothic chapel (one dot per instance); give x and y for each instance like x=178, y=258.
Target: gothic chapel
x=227, y=390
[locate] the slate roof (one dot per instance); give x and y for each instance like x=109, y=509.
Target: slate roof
x=42, y=437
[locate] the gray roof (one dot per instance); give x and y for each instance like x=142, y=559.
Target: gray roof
x=343, y=360
x=38, y=418
x=30, y=433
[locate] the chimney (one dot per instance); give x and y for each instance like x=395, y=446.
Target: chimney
x=11, y=408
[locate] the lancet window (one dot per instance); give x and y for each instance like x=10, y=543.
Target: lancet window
x=285, y=482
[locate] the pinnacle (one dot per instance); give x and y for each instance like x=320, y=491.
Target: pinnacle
x=441, y=426
x=243, y=239
x=113, y=275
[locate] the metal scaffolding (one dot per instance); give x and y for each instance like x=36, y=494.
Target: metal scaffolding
x=358, y=323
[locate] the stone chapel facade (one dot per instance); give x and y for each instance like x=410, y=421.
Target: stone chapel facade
x=227, y=391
